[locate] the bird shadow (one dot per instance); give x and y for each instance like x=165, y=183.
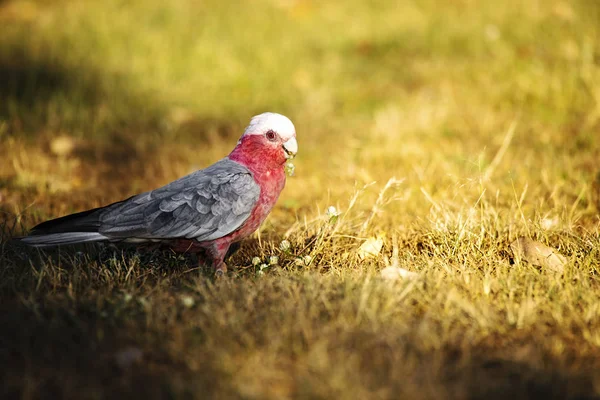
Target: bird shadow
x=154, y=261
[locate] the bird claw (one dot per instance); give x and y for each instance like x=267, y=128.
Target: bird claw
x=221, y=270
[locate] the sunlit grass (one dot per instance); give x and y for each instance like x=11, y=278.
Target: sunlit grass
x=484, y=118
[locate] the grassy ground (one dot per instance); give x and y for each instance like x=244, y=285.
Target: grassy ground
x=487, y=114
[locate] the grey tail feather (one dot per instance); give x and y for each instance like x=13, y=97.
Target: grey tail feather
x=86, y=221
x=55, y=239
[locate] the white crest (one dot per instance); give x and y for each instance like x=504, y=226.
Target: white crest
x=264, y=122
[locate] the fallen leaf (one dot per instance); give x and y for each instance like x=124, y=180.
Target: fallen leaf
x=395, y=273
x=371, y=247
x=62, y=146
x=538, y=254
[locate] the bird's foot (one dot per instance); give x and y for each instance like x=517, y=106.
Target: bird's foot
x=221, y=270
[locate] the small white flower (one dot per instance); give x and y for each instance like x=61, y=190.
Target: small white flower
x=256, y=261
x=307, y=260
x=263, y=266
x=332, y=212
x=290, y=169
x=273, y=260
x=187, y=301
x=284, y=245
x=549, y=223
x=143, y=302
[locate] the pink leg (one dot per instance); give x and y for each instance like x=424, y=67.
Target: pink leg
x=216, y=252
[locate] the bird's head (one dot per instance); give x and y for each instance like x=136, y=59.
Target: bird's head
x=270, y=139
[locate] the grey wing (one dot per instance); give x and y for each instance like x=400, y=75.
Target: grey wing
x=204, y=205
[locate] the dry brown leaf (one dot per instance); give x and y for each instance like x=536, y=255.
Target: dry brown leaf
x=538, y=254
x=62, y=146
x=395, y=273
x=371, y=247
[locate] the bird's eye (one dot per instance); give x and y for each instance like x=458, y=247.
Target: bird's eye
x=271, y=135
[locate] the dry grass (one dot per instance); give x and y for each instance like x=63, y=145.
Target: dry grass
x=487, y=116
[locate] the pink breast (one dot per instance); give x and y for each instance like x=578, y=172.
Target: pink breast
x=271, y=184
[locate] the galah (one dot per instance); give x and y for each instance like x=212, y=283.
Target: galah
x=205, y=211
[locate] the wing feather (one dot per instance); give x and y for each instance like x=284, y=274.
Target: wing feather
x=204, y=205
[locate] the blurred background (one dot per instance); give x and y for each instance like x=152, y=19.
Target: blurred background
x=102, y=99
x=486, y=111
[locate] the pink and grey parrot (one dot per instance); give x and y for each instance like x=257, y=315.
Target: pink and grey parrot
x=205, y=211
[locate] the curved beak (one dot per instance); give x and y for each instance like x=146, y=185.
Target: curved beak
x=290, y=147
